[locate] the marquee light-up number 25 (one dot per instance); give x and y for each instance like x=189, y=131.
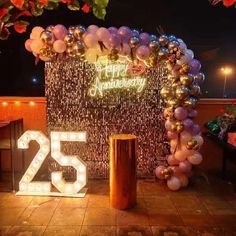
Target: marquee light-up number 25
x=28, y=187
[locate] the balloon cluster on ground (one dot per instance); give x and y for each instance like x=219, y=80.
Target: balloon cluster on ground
x=181, y=92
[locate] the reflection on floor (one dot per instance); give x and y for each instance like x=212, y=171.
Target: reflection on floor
x=201, y=209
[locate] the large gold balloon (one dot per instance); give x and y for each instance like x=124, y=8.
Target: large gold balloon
x=47, y=37
x=187, y=79
x=182, y=92
x=199, y=78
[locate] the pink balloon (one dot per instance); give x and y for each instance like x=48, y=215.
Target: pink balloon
x=125, y=50
x=158, y=172
x=172, y=135
x=103, y=34
x=91, y=40
x=174, y=183
x=172, y=161
x=168, y=125
x=114, y=40
x=142, y=52
x=59, y=46
x=60, y=31
x=185, y=166
x=189, y=54
x=36, y=45
x=27, y=44
x=168, y=112
x=195, y=159
x=185, y=137
x=180, y=113
x=36, y=32
x=45, y=58
x=92, y=29
x=145, y=38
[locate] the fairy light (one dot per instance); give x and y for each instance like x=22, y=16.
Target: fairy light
x=4, y=104
x=32, y=103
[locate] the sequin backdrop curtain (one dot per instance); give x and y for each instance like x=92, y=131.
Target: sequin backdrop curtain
x=70, y=108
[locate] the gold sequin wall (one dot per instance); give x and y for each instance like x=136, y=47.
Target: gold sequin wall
x=70, y=108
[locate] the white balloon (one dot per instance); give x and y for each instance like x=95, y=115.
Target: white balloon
x=195, y=159
x=174, y=183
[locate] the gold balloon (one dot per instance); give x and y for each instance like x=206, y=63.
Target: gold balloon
x=163, y=40
x=165, y=92
x=195, y=90
x=71, y=30
x=182, y=92
x=186, y=79
x=185, y=68
x=192, y=145
x=70, y=52
x=199, y=78
x=172, y=103
x=47, y=51
x=134, y=42
x=79, y=31
x=50, y=28
x=69, y=39
x=154, y=45
x=78, y=48
x=47, y=37
x=113, y=55
x=190, y=102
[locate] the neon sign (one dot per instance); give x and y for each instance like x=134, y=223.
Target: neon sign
x=116, y=75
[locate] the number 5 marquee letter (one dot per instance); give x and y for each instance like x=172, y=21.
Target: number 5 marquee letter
x=29, y=187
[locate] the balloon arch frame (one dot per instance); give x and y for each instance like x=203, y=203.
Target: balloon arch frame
x=143, y=50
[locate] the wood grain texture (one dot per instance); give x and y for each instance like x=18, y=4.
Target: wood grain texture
x=123, y=156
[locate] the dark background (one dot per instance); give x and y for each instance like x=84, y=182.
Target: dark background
x=210, y=31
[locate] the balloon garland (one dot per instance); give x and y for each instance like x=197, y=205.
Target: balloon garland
x=181, y=93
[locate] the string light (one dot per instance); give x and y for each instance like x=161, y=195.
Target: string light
x=4, y=103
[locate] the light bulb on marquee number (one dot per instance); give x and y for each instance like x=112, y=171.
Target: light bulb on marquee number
x=29, y=187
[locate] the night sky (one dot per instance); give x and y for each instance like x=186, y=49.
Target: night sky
x=210, y=31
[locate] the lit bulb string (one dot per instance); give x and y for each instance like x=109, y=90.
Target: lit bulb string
x=6, y=103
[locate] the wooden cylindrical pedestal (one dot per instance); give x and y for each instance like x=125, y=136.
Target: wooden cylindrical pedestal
x=123, y=155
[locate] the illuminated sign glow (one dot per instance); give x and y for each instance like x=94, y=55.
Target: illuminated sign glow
x=43, y=188
x=115, y=75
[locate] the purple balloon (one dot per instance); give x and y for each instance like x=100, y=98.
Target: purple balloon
x=180, y=113
x=113, y=30
x=114, y=40
x=188, y=123
x=185, y=166
x=145, y=38
x=125, y=33
x=195, y=66
x=192, y=113
x=195, y=129
x=142, y=52
x=60, y=31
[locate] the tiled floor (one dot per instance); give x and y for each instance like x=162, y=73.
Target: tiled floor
x=201, y=209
